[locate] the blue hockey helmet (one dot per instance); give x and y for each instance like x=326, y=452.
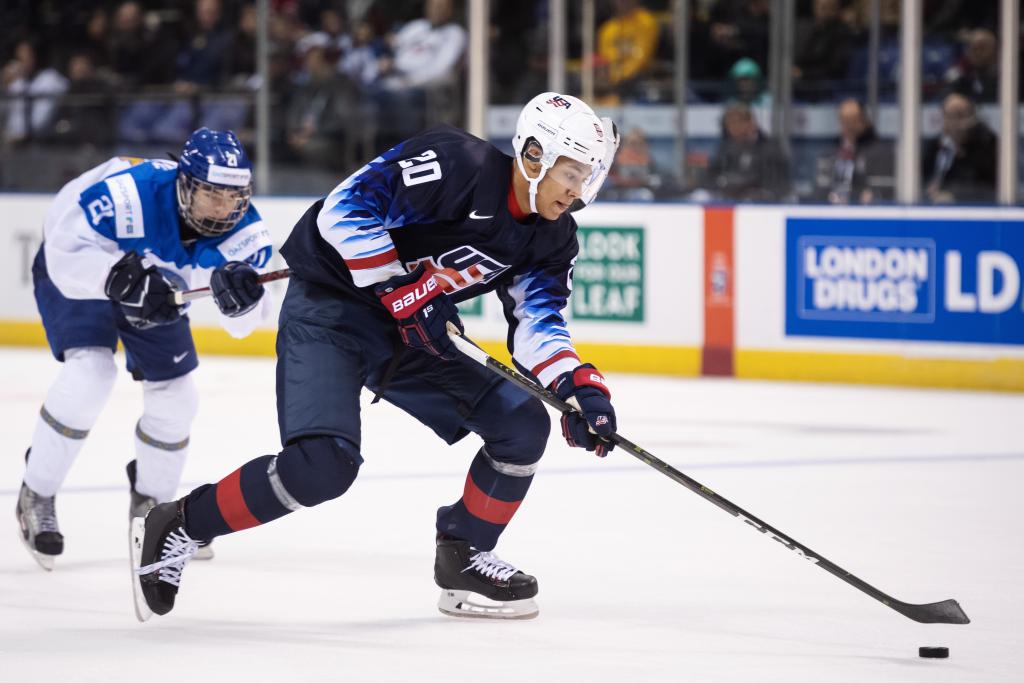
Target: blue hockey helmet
x=214, y=182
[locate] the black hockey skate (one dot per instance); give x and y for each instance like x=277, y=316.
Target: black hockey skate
x=160, y=551
x=37, y=520
x=475, y=583
x=141, y=504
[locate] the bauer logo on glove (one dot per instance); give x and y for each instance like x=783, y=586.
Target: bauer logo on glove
x=422, y=310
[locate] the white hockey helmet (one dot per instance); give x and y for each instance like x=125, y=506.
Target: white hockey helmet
x=564, y=126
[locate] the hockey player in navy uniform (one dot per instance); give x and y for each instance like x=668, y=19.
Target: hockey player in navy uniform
x=377, y=268
x=117, y=241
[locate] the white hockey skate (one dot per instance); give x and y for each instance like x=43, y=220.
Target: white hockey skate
x=478, y=584
x=37, y=524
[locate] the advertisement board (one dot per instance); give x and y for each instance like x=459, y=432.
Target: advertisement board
x=911, y=279
x=608, y=280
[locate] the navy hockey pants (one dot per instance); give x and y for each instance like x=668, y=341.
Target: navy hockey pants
x=328, y=348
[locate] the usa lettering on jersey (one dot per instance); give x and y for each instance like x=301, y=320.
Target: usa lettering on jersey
x=460, y=267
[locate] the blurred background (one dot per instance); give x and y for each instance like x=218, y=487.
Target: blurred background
x=794, y=101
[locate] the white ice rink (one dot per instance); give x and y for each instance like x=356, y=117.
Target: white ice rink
x=916, y=492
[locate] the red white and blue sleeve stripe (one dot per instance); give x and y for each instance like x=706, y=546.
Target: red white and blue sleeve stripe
x=539, y=340
x=355, y=220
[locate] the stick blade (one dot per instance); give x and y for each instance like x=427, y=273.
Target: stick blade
x=945, y=612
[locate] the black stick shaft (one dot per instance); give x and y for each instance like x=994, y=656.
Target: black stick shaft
x=946, y=611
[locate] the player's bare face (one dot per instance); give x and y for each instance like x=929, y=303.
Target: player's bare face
x=214, y=203
x=560, y=187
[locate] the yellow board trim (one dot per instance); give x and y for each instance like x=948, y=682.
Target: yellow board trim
x=1001, y=374
x=21, y=334
x=659, y=360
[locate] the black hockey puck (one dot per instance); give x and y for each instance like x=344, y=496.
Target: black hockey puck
x=933, y=652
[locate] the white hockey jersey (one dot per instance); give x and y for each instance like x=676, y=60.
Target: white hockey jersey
x=129, y=204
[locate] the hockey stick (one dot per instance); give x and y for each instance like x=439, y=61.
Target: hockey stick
x=179, y=298
x=945, y=612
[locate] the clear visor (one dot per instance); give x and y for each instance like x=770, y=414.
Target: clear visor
x=570, y=175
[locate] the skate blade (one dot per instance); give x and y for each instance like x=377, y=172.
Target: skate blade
x=42, y=559
x=136, y=534
x=205, y=552
x=471, y=605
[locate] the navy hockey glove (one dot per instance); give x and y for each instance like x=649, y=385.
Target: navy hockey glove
x=235, y=288
x=143, y=292
x=422, y=310
x=587, y=386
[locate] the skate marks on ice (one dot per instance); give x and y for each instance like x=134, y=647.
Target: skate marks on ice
x=640, y=580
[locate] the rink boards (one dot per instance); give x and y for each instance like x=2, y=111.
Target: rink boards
x=926, y=297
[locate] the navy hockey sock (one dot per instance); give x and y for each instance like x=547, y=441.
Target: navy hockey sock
x=493, y=492
x=305, y=473
x=241, y=500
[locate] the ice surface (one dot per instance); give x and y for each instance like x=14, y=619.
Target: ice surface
x=916, y=492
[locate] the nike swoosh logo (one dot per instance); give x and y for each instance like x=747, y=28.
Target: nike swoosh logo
x=475, y=217
x=178, y=359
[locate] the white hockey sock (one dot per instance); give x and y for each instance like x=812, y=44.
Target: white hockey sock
x=70, y=410
x=162, y=435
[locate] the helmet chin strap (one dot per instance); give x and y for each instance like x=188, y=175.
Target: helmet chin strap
x=534, y=182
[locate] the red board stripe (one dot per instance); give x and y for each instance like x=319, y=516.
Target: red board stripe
x=486, y=508
x=719, y=291
x=232, y=504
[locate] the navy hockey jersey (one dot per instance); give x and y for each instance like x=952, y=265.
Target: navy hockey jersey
x=440, y=199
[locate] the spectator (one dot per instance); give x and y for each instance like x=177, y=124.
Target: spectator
x=139, y=54
x=976, y=75
x=747, y=84
x=84, y=114
x=960, y=164
x=738, y=28
x=633, y=176
x=860, y=171
x=418, y=83
x=321, y=114
x=242, y=60
x=426, y=51
x=513, y=31
x=625, y=44
x=749, y=166
x=204, y=60
x=823, y=52
x=95, y=38
x=361, y=62
x=36, y=88
x=331, y=36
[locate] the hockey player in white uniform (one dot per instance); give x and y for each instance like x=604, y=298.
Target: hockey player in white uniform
x=117, y=242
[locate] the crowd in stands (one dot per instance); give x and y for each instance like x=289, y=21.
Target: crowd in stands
x=350, y=77
x=143, y=71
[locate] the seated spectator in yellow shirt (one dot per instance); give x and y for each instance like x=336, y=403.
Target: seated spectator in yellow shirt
x=625, y=44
